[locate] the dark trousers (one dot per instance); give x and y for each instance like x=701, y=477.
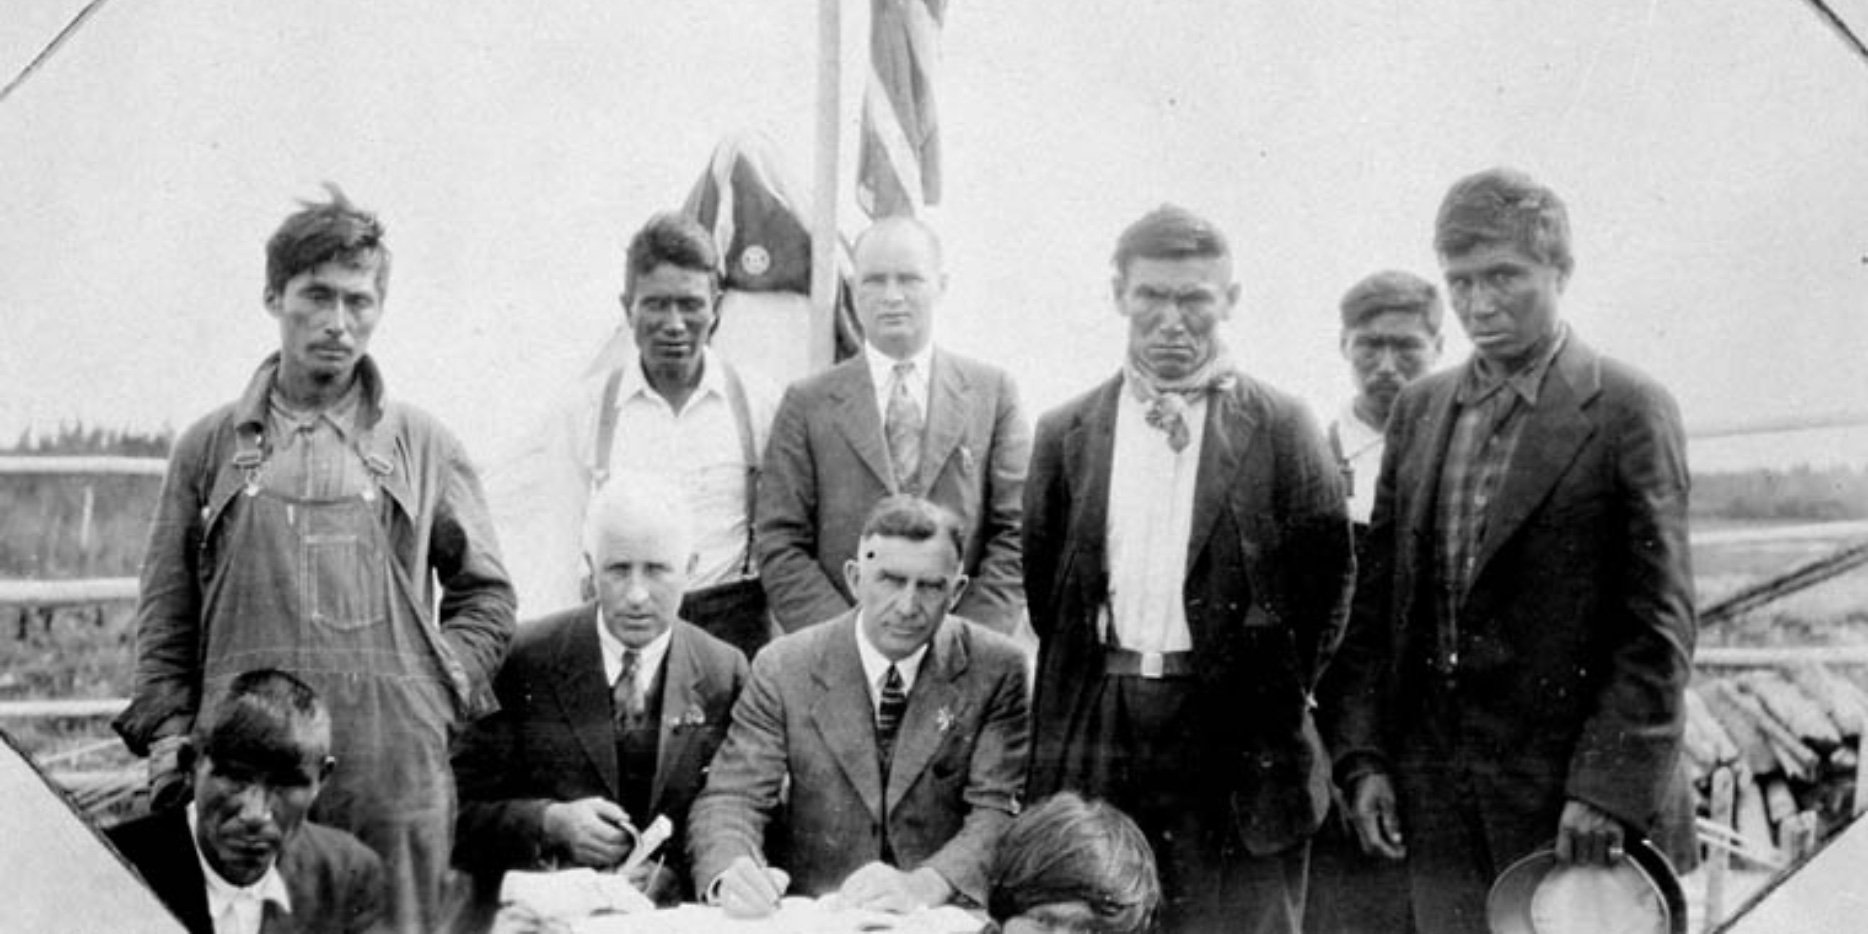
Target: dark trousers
x=1351, y=892
x=1138, y=751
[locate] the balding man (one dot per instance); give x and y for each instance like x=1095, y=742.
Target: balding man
x=903, y=417
x=609, y=712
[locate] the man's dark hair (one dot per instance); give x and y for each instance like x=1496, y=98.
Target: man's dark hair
x=1169, y=232
x=674, y=239
x=1392, y=290
x=1504, y=205
x=264, y=719
x=1069, y=849
x=335, y=231
x=915, y=519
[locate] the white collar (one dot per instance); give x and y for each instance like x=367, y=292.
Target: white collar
x=876, y=665
x=269, y=887
x=882, y=366
x=613, y=649
x=712, y=380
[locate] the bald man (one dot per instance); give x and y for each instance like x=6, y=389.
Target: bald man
x=609, y=712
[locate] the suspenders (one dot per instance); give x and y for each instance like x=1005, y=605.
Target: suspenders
x=742, y=421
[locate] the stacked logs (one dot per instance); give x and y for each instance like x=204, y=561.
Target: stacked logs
x=1791, y=739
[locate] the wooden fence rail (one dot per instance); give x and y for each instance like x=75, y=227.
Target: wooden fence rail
x=27, y=464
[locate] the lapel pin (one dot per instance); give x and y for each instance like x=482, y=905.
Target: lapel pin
x=943, y=719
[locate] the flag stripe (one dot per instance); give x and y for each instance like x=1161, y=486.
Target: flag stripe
x=899, y=163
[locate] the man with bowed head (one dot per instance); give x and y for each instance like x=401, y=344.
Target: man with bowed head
x=1523, y=628
x=1188, y=564
x=240, y=857
x=317, y=526
x=888, y=743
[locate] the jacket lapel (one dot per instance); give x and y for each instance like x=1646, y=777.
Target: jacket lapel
x=1089, y=453
x=842, y=712
x=1417, y=487
x=932, y=705
x=948, y=415
x=853, y=398
x=680, y=680
x=1552, y=435
x=1230, y=424
x=584, y=696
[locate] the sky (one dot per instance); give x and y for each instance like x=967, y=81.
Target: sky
x=1710, y=155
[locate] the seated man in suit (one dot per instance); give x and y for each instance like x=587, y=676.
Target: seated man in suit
x=609, y=712
x=902, y=732
x=240, y=856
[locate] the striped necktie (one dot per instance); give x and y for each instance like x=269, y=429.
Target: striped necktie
x=902, y=426
x=625, y=699
x=893, y=703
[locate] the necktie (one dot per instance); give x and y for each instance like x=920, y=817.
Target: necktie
x=1168, y=412
x=893, y=703
x=625, y=700
x=902, y=426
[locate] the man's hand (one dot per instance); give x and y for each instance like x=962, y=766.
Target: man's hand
x=656, y=881
x=1372, y=811
x=588, y=830
x=881, y=887
x=748, y=890
x=1587, y=834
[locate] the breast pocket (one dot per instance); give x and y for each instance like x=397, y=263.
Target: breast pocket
x=344, y=582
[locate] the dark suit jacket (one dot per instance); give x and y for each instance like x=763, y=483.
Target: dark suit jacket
x=827, y=465
x=335, y=882
x=1269, y=567
x=1577, y=632
x=553, y=739
x=806, y=716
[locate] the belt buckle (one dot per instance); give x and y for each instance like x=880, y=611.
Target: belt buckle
x=1154, y=665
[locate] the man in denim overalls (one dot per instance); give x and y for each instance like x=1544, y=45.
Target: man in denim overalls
x=306, y=527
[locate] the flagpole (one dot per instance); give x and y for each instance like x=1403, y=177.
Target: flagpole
x=824, y=212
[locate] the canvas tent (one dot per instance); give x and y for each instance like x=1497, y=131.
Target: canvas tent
x=56, y=871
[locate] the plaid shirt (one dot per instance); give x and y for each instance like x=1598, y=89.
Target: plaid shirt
x=1479, y=452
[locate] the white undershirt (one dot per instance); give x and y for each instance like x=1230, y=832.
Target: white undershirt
x=1362, y=448
x=1151, y=489
x=237, y=909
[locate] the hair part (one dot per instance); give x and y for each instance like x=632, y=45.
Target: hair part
x=334, y=231
x=913, y=519
x=1169, y=232
x=1504, y=206
x=1393, y=290
x=670, y=238
x=1071, y=849
x=267, y=718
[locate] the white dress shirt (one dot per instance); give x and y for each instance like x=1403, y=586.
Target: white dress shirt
x=882, y=375
x=237, y=909
x=1362, y=448
x=613, y=648
x=698, y=450
x=876, y=666
x=1151, y=490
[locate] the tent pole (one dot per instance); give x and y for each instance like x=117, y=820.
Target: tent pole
x=824, y=234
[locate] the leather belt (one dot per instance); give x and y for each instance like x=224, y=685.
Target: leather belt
x=1151, y=665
